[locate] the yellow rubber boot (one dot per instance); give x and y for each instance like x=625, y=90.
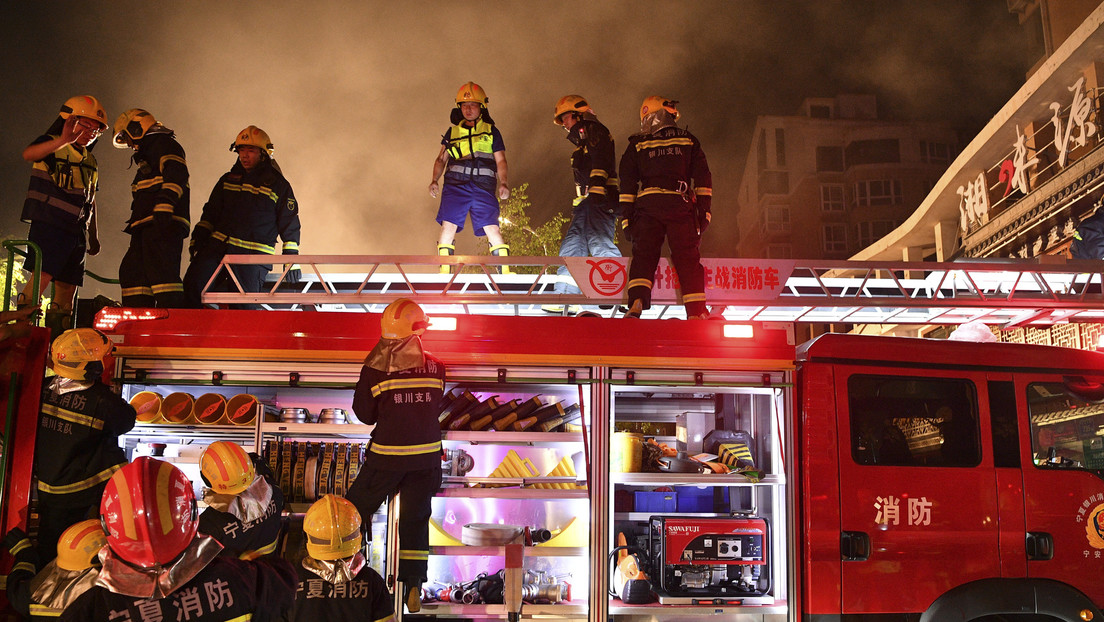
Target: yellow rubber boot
x=502, y=250
x=446, y=250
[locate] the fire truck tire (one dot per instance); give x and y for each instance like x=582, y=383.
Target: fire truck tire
x=1045, y=597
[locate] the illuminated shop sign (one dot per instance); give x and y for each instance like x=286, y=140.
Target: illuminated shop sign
x=1070, y=132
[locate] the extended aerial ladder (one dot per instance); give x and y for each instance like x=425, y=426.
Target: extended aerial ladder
x=1007, y=293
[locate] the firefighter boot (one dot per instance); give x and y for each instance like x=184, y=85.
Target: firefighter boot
x=502, y=250
x=446, y=250
x=57, y=320
x=412, y=596
x=635, y=310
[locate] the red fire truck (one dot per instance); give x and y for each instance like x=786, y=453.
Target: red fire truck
x=885, y=478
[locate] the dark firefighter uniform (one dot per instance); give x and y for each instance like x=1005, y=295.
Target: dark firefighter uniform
x=59, y=203
x=404, y=455
x=149, y=274
x=225, y=590
x=76, y=452
x=364, y=598
x=594, y=210
x=251, y=527
x=666, y=190
x=245, y=214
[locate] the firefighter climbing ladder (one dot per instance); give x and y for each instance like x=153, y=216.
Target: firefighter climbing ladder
x=1008, y=293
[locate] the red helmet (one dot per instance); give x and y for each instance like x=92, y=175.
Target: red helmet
x=149, y=512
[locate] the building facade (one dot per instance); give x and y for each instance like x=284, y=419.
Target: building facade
x=835, y=177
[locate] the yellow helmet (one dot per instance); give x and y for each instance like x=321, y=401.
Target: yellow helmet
x=569, y=103
x=656, y=103
x=471, y=92
x=132, y=124
x=80, y=544
x=226, y=468
x=78, y=353
x=84, y=106
x=254, y=136
x=402, y=319
x=332, y=527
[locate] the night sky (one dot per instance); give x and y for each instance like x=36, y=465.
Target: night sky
x=356, y=95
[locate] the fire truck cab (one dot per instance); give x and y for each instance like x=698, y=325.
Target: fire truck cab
x=951, y=478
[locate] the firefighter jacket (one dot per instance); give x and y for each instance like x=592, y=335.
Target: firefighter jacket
x=592, y=162
x=364, y=598
x=248, y=524
x=160, y=185
x=471, y=154
x=62, y=188
x=666, y=163
x=248, y=210
x=224, y=590
x=403, y=407
x=77, y=443
x=41, y=596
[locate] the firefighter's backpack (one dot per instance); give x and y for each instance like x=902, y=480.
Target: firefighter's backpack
x=1088, y=241
x=732, y=447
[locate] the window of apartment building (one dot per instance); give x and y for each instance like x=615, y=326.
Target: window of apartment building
x=780, y=146
x=831, y=198
x=870, y=232
x=835, y=238
x=778, y=219
x=881, y=151
x=829, y=159
x=762, y=151
x=878, y=192
x=935, y=153
x=779, y=251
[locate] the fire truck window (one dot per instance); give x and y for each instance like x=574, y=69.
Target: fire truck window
x=1067, y=430
x=913, y=421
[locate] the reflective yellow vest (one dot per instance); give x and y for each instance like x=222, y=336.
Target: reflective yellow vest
x=471, y=155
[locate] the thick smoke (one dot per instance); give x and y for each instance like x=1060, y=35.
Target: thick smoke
x=356, y=95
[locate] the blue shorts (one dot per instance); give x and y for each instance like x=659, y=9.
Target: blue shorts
x=459, y=201
x=63, y=252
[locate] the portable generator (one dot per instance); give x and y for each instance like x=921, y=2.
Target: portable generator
x=715, y=560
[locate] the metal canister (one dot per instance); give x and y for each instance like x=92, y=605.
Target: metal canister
x=294, y=415
x=333, y=415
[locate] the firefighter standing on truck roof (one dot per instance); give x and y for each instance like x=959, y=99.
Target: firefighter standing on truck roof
x=249, y=207
x=666, y=191
x=149, y=274
x=45, y=594
x=156, y=567
x=335, y=581
x=77, y=442
x=399, y=388
x=243, y=501
x=594, y=212
x=61, y=206
x=473, y=159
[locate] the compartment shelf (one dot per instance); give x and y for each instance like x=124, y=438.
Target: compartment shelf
x=513, y=438
x=513, y=493
x=498, y=551
x=677, y=479
x=528, y=610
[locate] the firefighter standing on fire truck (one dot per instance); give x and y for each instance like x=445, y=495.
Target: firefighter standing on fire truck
x=335, y=582
x=249, y=207
x=666, y=191
x=157, y=567
x=149, y=274
x=399, y=388
x=243, y=501
x=61, y=206
x=473, y=159
x=594, y=212
x=77, y=442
